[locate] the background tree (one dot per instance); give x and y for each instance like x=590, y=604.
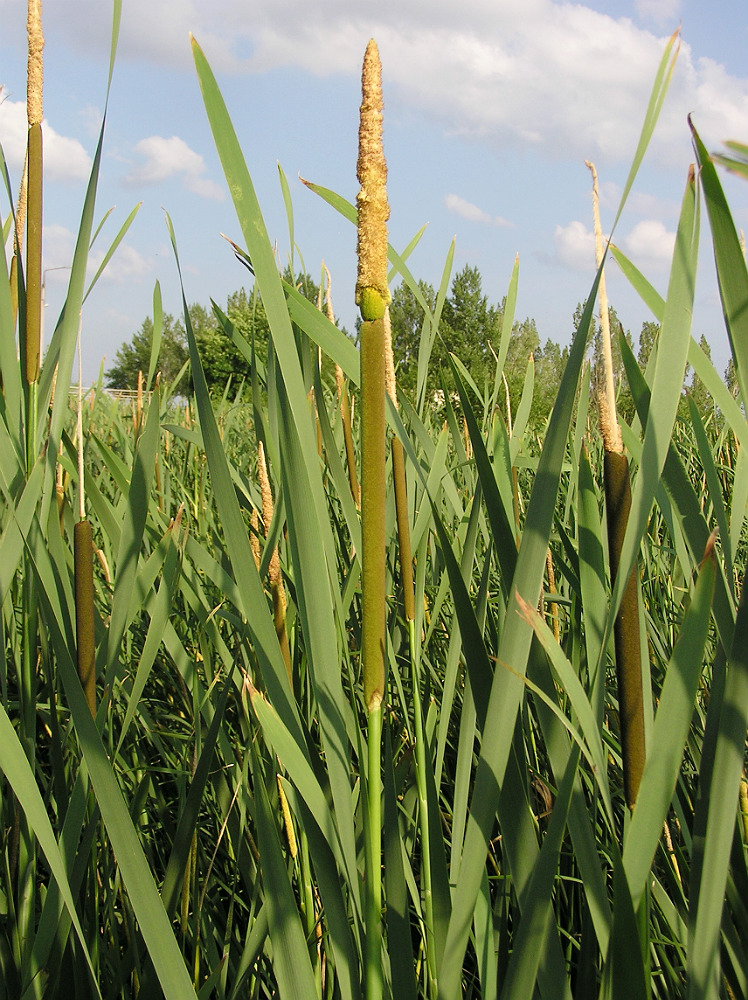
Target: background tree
x=698, y=391
x=406, y=318
x=730, y=376
x=220, y=357
x=647, y=338
x=550, y=361
x=525, y=341
x=135, y=356
x=470, y=327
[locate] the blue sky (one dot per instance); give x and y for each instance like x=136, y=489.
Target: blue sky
x=491, y=108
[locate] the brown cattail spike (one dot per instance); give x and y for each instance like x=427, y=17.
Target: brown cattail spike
x=372, y=291
x=609, y=426
x=626, y=628
x=34, y=112
x=84, y=611
x=35, y=68
x=277, y=587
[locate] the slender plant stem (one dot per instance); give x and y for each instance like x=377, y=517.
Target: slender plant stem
x=373, y=950
x=423, y=810
x=373, y=627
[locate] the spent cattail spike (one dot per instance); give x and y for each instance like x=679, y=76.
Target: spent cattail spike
x=372, y=291
x=34, y=157
x=609, y=425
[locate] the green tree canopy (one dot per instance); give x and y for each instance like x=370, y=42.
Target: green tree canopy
x=220, y=357
x=469, y=328
x=135, y=356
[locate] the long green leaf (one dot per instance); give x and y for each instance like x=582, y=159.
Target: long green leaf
x=732, y=275
x=15, y=767
x=290, y=955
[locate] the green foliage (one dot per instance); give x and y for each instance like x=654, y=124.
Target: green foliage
x=222, y=359
x=134, y=357
x=470, y=329
x=204, y=834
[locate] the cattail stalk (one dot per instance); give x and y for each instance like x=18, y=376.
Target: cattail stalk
x=617, y=506
x=254, y=536
x=20, y=229
x=277, y=588
x=34, y=112
x=372, y=296
x=555, y=623
x=23, y=842
x=83, y=572
x=409, y=606
x=345, y=406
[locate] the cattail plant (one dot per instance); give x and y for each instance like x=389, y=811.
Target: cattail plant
x=34, y=111
x=617, y=506
x=277, y=588
x=372, y=297
x=83, y=571
x=345, y=405
x=406, y=579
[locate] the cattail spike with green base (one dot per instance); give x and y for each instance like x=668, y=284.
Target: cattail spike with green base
x=34, y=111
x=626, y=629
x=617, y=506
x=372, y=296
x=345, y=406
x=372, y=290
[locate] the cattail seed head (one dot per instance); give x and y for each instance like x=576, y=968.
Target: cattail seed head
x=372, y=292
x=35, y=67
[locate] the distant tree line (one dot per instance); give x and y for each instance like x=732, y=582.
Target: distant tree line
x=469, y=327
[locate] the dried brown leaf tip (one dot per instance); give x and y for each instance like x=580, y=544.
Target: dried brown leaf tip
x=709, y=548
x=372, y=292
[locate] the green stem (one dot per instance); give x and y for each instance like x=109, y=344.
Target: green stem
x=423, y=811
x=26, y=908
x=34, y=254
x=373, y=500
x=373, y=948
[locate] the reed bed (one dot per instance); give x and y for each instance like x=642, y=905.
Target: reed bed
x=292, y=775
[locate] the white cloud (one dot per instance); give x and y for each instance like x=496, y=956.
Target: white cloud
x=58, y=246
x=472, y=213
x=127, y=264
x=575, y=247
x=650, y=245
x=165, y=158
x=561, y=78
x=556, y=76
x=651, y=206
x=663, y=13
x=65, y=159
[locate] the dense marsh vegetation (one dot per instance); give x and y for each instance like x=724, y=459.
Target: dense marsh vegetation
x=229, y=809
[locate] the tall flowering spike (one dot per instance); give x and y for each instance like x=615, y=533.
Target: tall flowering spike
x=34, y=157
x=35, y=66
x=372, y=292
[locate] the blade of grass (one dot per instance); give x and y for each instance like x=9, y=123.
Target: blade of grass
x=15, y=767
x=136, y=874
x=290, y=955
x=732, y=275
